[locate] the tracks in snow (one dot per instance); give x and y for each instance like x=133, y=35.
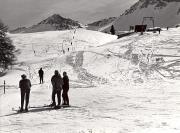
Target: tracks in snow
x=76, y=61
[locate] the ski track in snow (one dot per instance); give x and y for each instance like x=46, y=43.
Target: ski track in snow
x=76, y=62
x=119, y=105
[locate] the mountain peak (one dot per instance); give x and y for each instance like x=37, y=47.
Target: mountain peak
x=166, y=13
x=54, y=22
x=54, y=19
x=157, y=4
x=55, y=16
x=59, y=23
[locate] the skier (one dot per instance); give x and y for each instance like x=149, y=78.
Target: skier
x=159, y=30
x=57, y=84
x=65, y=89
x=41, y=74
x=24, y=85
x=63, y=51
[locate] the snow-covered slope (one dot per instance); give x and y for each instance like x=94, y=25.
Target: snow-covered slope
x=44, y=47
x=115, y=85
x=165, y=13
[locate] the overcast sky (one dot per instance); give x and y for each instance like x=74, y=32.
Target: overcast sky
x=17, y=13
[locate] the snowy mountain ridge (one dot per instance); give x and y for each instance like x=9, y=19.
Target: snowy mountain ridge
x=158, y=4
x=100, y=23
x=52, y=23
x=166, y=13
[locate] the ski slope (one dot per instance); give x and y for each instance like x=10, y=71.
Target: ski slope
x=116, y=85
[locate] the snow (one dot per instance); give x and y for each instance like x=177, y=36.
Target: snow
x=116, y=85
x=163, y=16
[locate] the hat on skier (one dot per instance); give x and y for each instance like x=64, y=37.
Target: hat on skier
x=56, y=72
x=64, y=73
x=23, y=76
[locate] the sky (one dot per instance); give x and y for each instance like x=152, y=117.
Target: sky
x=18, y=13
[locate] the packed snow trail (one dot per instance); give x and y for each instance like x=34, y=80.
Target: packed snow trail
x=75, y=59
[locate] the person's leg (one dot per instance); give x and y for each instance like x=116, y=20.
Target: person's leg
x=27, y=99
x=67, y=98
x=42, y=80
x=53, y=97
x=22, y=99
x=59, y=97
x=63, y=96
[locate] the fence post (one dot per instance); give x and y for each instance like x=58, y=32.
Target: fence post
x=4, y=87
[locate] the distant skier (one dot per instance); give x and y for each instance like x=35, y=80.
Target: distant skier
x=159, y=30
x=41, y=75
x=65, y=89
x=24, y=85
x=63, y=51
x=57, y=83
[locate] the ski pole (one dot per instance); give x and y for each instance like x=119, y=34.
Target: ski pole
x=4, y=87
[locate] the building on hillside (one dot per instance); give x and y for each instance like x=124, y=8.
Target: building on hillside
x=140, y=28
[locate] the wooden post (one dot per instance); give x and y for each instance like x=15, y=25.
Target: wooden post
x=4, y=87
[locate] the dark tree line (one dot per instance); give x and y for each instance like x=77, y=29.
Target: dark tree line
x=7, y=49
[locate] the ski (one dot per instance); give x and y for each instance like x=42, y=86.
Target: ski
x=19, y=110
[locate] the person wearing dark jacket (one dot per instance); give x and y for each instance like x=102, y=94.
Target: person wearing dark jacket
x=65, y=89
x=41, y=74
x=24, y=85
x=57, y=84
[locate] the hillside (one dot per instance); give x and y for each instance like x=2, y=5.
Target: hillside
x=166, y=13
x=52, y=23
x=101, y=23
x=19, y=30
x=116, y=85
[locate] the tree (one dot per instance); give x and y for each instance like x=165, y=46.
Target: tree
x=6, y=49
x=112, y=30
x=3, y=27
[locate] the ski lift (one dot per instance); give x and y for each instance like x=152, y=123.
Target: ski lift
x=145, y=19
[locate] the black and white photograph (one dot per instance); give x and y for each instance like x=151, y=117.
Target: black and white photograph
x=89, y=66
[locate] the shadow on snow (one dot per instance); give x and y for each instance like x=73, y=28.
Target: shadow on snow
x=36, y=109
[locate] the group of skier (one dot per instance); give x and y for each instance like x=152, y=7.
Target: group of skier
x=58, y=84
